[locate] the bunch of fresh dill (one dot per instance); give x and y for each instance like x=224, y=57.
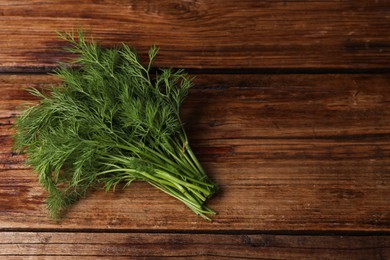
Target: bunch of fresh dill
x=111, y=121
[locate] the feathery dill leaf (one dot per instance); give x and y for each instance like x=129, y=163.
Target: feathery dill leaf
x=111, y=122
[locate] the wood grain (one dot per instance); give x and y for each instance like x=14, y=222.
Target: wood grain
x=302, y=160
x=205, y=34
x=289, y=152
x=49, y=245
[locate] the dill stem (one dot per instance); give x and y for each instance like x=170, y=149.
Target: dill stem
x=195, y=207
x=174, y=179
x=184, y=139
x=181, y=162
x=145, y=175
x=163, y=180
x=184, y=149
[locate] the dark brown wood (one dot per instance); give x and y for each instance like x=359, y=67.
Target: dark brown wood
x=51, y=245
x=300, y=159
x=205, y=34
x=289, y=152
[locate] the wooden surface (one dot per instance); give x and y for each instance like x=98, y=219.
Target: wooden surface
x=290, y=115
x=20, y=245
x=205, y=34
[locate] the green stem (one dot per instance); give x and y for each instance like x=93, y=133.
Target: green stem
x=184, y=139
x=174, y=179
x=168, y=172
x=180, y=162
x=173, y=186
x=136, y=150
x=195, y=207
x=183, y=148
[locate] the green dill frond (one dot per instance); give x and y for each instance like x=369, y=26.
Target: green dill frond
x=111, y=122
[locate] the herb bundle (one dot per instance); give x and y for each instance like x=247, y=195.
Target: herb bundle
x=111, y=121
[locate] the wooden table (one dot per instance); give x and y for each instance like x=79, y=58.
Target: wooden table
x=290, y=115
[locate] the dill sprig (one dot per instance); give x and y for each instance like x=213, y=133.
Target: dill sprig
x=111, y=121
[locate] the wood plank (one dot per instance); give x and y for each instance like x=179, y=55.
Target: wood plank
x=259, y=106
x=307, y=152
x=196, y=246
x=205, y=34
